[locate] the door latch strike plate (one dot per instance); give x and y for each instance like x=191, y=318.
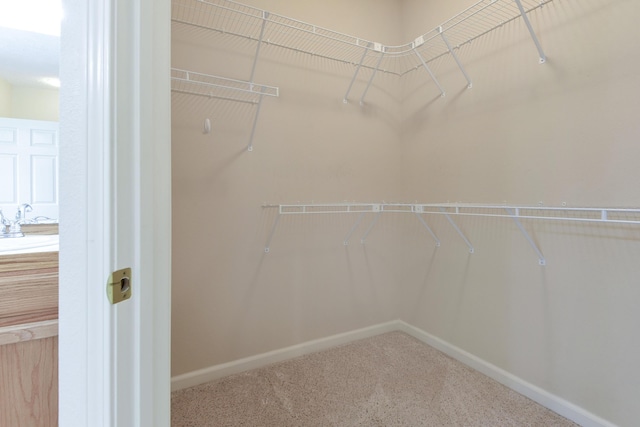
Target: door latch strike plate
x=119, y=286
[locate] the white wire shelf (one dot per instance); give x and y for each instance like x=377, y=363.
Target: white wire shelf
x=209, y=86
x=558, y=213
x=449, y=210
x=230, y=17
x=192, y=83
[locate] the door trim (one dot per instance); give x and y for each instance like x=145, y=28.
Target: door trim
x=88, y=219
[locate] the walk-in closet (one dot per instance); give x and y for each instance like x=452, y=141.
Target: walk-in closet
x=463, y=172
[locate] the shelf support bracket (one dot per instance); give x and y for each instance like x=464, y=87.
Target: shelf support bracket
x=428, y=229
x=433, y=77
x=255, y=121
x=471, y=250
x=455, y=56
x=543, y=57
x=348, y=236
x=273, y=230
x=353, y=79
x=373, y=75
x=265, y=17
x=371, y=226
x=514, y=214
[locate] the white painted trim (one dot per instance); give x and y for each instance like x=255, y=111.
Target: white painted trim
x=154, y=301
x=90, y=117
x=202, y=376
x=84, y=347
x=28, y=332
x=535, y=393
x=141, y=195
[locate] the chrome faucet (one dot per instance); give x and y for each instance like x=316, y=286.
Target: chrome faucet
x=10, y=228
x=21, y=215
x=3, y=222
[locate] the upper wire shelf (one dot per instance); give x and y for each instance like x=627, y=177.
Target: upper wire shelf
x=193, y=83
x=230, y=17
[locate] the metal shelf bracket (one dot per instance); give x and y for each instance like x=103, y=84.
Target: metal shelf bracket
x=355, y=226
x=433, y=77
x=543, y=57
x=355, y=74
x=455, y=226
x=373, y=75
x=514, y=213
x=265, y=17
x=418, y=211
x=255, y=121
x=373, y=223
x=455, y=57
x=273, y=230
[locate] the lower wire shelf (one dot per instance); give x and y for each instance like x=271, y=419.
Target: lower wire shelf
x=449, y=210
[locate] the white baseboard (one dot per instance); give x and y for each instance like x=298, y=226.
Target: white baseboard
x=535, y=393
x=202, y=376
x=543, y=397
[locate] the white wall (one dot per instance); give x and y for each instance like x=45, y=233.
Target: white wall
x=5, y=98
x=308, y=146
x=560, y=132
x=565, y=131
x=35, y=103
x=25, y=102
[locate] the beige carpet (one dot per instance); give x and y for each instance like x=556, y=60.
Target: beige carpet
x=388, y=380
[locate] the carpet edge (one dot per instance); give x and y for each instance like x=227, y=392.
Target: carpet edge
x=201, y=376
x=549, y=400
x=553, y=402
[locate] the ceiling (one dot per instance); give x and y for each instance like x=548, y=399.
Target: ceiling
x=29, y=41
x=27, y=57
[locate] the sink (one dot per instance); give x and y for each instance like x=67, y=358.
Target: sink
x=29, y=244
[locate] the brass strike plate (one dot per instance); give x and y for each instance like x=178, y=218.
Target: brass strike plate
x=119, y=286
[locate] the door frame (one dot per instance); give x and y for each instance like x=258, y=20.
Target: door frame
x=115, y=104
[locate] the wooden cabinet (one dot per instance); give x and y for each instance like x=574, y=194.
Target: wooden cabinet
x=29, y=383
x=28, y=288
x=28, y=340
